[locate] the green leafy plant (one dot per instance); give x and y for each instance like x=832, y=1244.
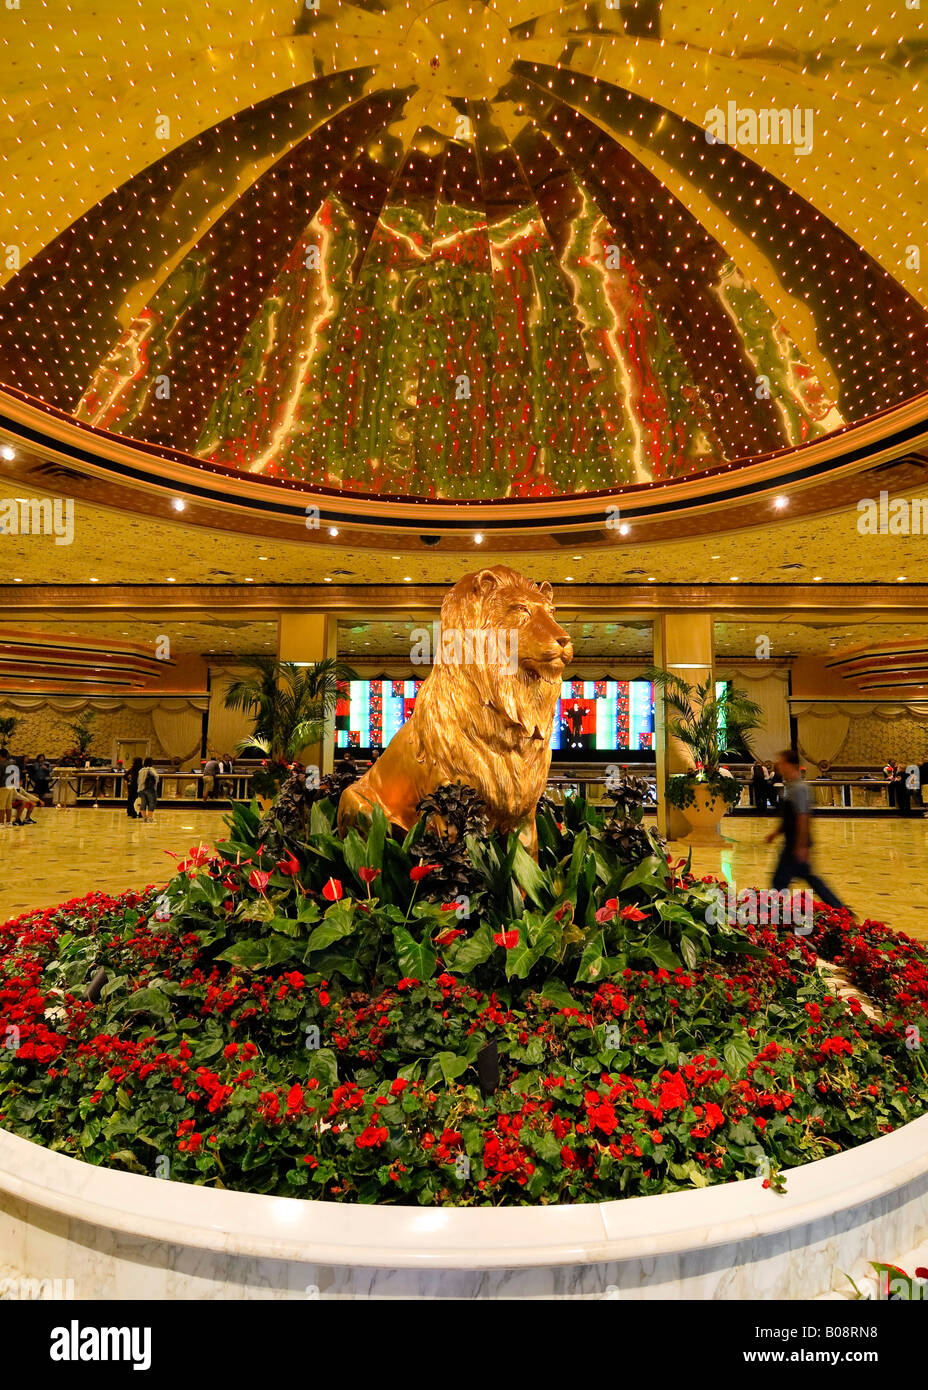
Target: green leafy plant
x=7, y=727
x=82, y=729
x=289, y=705
x=700, y=714
x=301, y=1014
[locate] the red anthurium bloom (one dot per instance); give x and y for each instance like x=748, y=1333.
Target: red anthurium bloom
x=367, y=874
x=333, y=890
x=633, y=914
x=258, y=879
x=509, y=939
x=418, y=874
x=449, y=936
x=608, y=910
x=288, y=866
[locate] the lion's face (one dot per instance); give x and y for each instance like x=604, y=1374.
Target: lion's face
x=502, y=601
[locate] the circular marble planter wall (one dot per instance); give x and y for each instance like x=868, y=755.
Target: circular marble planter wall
x=118, y=1235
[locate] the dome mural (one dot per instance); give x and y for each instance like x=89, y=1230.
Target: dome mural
x=465, y=251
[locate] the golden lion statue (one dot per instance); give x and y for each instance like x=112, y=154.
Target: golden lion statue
x=484, y=713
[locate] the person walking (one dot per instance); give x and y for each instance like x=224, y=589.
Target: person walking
x=795, y=827
x=148, y=790
x=132, y=788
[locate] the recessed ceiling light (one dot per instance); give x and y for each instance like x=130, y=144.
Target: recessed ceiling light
x=179, y=504
x=816, y=578
x=249, y=580
x=333, y=530
x=327, y=579
x=94, y=580
x=478, y=539
x=264, y=557
x=900, y=578
x=624, y=529
x=780, y=503
x=733, y=578
x=568, y=579
x=8, y=453
x=652, y=579
x=715, y=557
x=576, y=557
x=17, y=581
x=171, y=579
x=407, y=578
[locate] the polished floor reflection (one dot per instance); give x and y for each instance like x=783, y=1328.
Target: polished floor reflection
x=879, y=867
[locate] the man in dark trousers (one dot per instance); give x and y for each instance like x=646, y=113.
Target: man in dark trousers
x=795, y=827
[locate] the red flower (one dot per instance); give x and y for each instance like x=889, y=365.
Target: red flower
x=509, y=939
x=398, y=1086
x=633, y=914
x=608, y=910
x=372, y=1137
x=367, y=874
x=419, y=873
x=258, y=879
x=333, y=890
x=294, y=1099
x=288, y=866
x=448, y=936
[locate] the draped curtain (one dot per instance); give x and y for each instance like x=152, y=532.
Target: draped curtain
x=768, y=688
x=824, y=725
x=179, y=731
x=227, y=727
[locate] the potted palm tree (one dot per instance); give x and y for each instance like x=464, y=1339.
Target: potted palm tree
x=289, y=705
x=710, y=726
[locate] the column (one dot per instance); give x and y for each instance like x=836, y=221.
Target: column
x=683, y=644
x=306, y=638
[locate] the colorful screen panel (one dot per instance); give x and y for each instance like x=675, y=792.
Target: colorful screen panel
x=591, y=715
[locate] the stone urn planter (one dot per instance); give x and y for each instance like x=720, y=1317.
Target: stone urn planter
x=703, y=818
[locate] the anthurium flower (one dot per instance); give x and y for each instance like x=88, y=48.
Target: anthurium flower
x=608, y=910
x=419, y=873
x=448, y=936
x=333, y=891
x=288, y=866
x=633, y=914
x=509, y=939
x=259, y=879
x=366, y=874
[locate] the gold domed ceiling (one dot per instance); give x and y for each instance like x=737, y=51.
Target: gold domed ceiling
x=462, y=250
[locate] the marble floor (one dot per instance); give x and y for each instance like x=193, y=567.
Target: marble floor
x=879, y=867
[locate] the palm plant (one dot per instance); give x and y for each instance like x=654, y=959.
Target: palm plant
x=701, y=714
x=289, y=703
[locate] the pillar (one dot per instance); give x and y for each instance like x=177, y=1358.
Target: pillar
x=306, y=638
x=683, y=644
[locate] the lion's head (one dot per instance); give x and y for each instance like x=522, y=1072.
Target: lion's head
x=521, y=613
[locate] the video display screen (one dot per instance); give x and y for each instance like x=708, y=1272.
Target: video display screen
x=604, y=715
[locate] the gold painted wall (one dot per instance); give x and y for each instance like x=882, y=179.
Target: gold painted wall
x=45, y=730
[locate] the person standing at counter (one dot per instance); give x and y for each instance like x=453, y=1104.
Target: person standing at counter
x=132, y=788
x=759, y=787
x=148, y=790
